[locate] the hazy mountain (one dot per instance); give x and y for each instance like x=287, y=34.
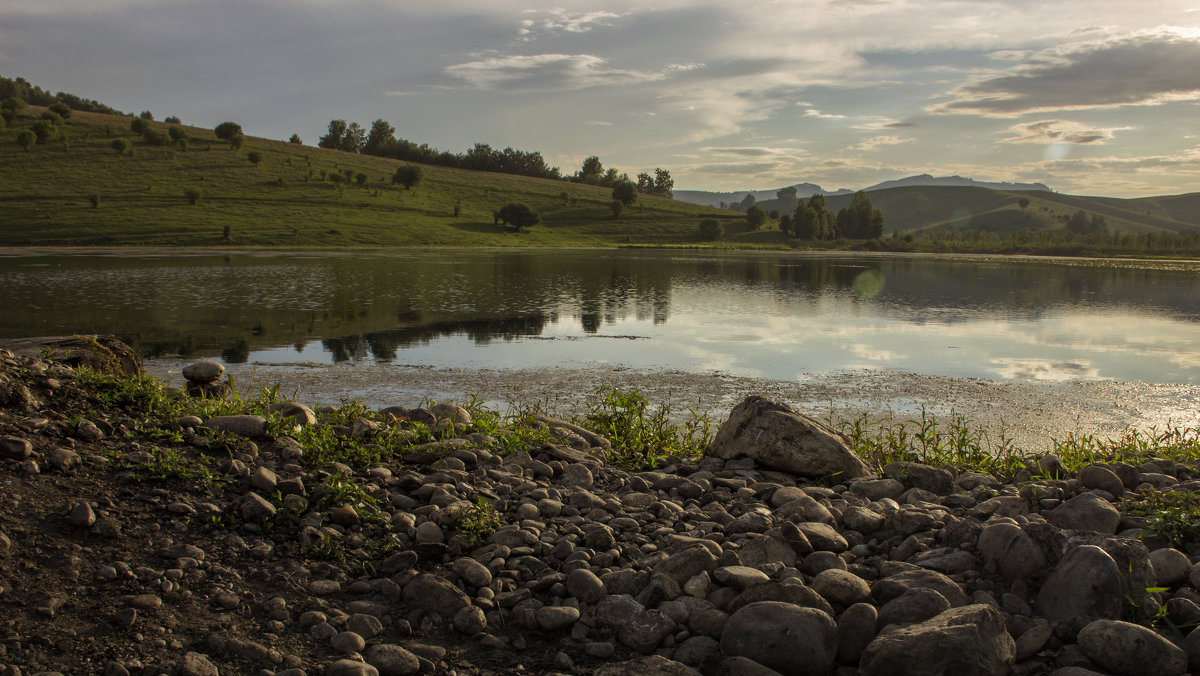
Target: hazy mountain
x=712, y=199
x=954, y=181
x=768, y=199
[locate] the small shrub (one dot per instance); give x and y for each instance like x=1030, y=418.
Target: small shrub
x=477, y=521
x=617, y=207
x=296, y=140
x=122, y=146
x=565, y=197
x=711, y=230
x=172, y=119
x=137, y=125
x=360, y=179
x=337, y=179
x=63, y=110
x=236, y=142
x=255, y=157
x=177, y=134
x=193, y=195
x=227, y=233
x=51, y=116
x=184, y=144
x=155, y=137
x=26, y=139
x=94, y=198
x=44, y=130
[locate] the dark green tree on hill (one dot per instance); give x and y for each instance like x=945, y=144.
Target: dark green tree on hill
x=664, y=185
x=350, y=138
x=755, y=217
x=407, y=176
x=591, y=171
x=625, y=193
x=227, y=130
x=517, y=216
x=860, y=219
x=381, y=137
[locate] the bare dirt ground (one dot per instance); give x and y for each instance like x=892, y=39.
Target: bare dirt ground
x=1032, y=414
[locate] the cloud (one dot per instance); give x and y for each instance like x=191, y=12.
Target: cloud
x=876, y=142
x=1141, y=70
x=813, y=112
x=735, y=168
x=545, y=72
x=747, y=152
x=598, y=123
x=559, y=20
x=1061, y=131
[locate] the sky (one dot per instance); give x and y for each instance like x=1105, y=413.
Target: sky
x=1093, y=97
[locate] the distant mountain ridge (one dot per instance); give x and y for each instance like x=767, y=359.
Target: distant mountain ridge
x=806, y=190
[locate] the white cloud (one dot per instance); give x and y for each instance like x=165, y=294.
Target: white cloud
x=544, y=72
x=1061, y=131
x=559, y=20
x=877, y=142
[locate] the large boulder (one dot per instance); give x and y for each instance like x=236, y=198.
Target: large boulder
x=793, y=641
x=967, y=640
x=1125, y=648
x=1085, y=583
x=775, y=436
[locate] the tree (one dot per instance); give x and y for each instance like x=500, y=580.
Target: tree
x=1023, y=202
x=155, y=137
x=860, y=219
x=518, y=216
x=711, y=230
x=755, y=217
x=645, y=183
x=236, y=142
x=407, y=176
x=12, y=107
x=747, y=202
x=806, y=223
x=172, y=119
x=177, y=133
x=61, y=109
x=663, y=183
x=296, y=140
x=227, y=130
x=44, y=130
x=333, y=137
x=591, y=171
x=138, y=126
x=361, y=180
x=785, y=223
x=625, y=193
x=355, y=138
x=255, y=157
x=146, y=115
x=380, y=138
x=26, y=139
x=121, y=145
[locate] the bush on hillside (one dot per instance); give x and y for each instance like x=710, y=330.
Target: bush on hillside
x=227, y=130
x=711, y=230
x=61, y=109
x=44, y=130
x=122, y=146
x=407, y=176
x=138, y=126
x=26, y=139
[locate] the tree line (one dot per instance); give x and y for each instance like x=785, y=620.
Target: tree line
x=381, y=141
x=20, y=88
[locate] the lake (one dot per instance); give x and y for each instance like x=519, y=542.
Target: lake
x=783, y=316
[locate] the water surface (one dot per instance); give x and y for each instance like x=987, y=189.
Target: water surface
x=784, y=316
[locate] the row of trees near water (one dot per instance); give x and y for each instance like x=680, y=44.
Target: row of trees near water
x=813, y=220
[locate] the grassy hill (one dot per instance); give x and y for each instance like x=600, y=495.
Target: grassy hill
x=289, y=198
x=76, y=189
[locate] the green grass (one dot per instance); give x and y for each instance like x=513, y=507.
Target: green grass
x=47, y=196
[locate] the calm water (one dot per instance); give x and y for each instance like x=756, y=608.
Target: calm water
x=779, y=315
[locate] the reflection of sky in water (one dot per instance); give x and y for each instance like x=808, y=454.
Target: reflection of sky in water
x=756, y=340
x=776, y=315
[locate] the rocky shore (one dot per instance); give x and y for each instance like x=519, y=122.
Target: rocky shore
x=136, y=538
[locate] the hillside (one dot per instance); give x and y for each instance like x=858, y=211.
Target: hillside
x=289, y=198
x=923, y=208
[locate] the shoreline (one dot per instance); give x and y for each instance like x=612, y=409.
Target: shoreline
x=1031, y=414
